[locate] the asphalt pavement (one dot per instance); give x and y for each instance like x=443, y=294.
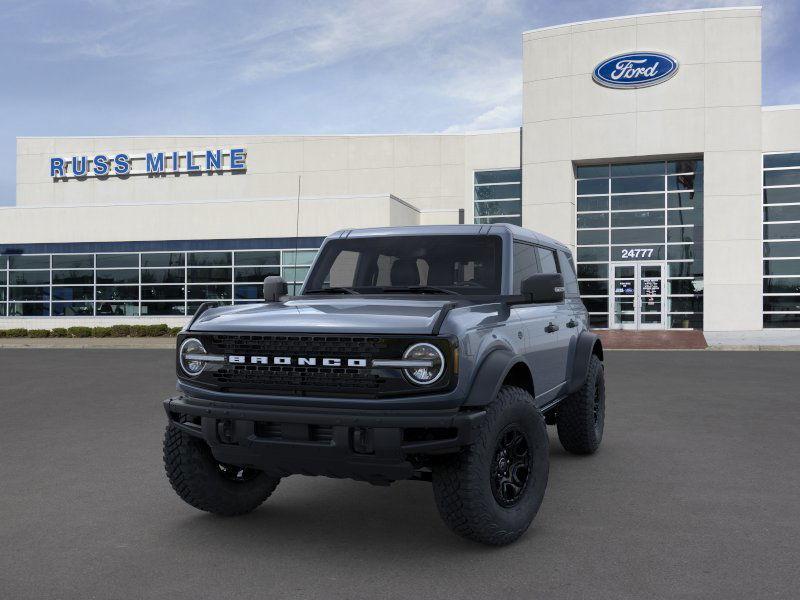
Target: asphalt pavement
x=695, y=493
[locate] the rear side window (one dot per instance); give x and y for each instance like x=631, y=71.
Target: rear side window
x=568, y=269
x=547, y=260
x=525, y=264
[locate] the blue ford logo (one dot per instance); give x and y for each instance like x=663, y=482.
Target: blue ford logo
x=635, y=70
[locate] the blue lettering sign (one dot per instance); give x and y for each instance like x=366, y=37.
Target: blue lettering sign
x=635, y=70
x=56, y=167
x=100, y=164
x=213, y=160
x=79, y=166
x=237, y=159
x=123, y=165
x=190, y=166
x=176, y=162
x=154, y=163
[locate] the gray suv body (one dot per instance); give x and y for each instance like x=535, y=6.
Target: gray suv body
x=432, y=353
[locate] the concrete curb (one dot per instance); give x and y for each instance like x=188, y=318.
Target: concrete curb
x=89, y=343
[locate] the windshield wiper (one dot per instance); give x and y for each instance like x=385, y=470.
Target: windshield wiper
x=419, y=289
x=333, y=290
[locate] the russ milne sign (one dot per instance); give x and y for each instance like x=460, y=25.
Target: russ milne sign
x=635, y=70
x=151, y=163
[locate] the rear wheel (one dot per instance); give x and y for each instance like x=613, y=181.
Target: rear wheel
x=209, y=485
x=491, y=491
x=581, y=417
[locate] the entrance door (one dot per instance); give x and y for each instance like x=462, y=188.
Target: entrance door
x=637, y=290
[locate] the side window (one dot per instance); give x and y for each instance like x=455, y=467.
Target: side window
x=547, y=258
x=568, y=269
x=525, y=264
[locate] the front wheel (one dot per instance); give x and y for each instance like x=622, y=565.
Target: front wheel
x=491, y=491
x=209, y=485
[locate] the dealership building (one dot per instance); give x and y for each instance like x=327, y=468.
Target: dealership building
x=644, y=146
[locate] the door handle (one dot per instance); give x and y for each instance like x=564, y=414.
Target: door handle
x=551, y=328
x=572, y=323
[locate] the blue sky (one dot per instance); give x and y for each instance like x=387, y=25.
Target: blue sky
x=152, y=67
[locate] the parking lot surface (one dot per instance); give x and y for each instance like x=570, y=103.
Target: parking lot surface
x=694, y=494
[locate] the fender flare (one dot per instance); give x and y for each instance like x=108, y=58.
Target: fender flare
x=491, y=374
x=588, y=344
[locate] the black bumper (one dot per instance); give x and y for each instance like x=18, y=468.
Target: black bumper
x=372, y=445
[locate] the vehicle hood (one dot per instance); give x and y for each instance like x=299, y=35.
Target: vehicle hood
x=326, y=315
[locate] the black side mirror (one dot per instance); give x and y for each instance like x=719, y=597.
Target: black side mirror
x=274, y=287
x=544, y=287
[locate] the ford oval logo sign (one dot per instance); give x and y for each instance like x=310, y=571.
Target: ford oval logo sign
x=635, y=70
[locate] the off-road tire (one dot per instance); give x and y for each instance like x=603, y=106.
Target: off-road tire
x=581, y=416
x=462, y=483
x=200, y=481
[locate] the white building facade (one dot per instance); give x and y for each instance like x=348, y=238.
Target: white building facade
x=677, y=190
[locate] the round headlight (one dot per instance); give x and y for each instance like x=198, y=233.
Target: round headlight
x=191, y=348
x=424, y=375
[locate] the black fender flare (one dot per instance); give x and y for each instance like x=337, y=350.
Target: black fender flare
x=588, y=344
x=491, y=374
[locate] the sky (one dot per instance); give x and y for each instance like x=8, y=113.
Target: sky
x=161, y=67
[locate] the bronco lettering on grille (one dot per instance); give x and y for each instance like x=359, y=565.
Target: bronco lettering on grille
x=297, y=361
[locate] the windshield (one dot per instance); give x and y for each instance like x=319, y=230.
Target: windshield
x=440, y=264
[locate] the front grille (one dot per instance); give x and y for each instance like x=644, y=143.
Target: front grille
x=322, y=434
x=307, y=380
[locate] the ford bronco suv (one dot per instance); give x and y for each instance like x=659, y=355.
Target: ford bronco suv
x=431, y=353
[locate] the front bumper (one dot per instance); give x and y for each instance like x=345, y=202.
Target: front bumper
x=379, y=446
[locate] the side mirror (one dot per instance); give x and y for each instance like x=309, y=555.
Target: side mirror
x=544, y=288
x=274, y=287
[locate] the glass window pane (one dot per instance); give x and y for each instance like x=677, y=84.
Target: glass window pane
x=684, y=182
x=685, y=304
x=592, y=186
x=598, y=321
x=596, y=304
x=593, y=220
x=782, y=213
x=28, y=309
x=592, y=236
x=685, y=286
x=774, y=321
x=3, y=262
x=547, y=260
x=680, y=234
x=782, y=231
x=782, y=303
x=593, y=288
x=525, y=264
x=29, y=262
x=163, y=275
x=118, y=276
x=304, y=257
x=790, y=159
x=490, y=220
x=637, y=202
x=782, y=195
x=636, y=184
x=782, y=285
x=597, y=203
x=500, y=207
x=684, y=166
x=637, y=219
x=117, y=309
x=679, y=252
x=163, y=308
x=73, y=277
x=587, y=171
x=783, y=249
x=117, y=260
x=73, y=309
x=684, y=217
x=73, y=293
x=257, y=257
x=498, y=176
x=2, y=277
x=73, y=261
x=788, y=177
x=297, y=275
x=209, y=275
x=254, y=274
x=162, y=292
x=118, y=292
x=782, y=267
x=637, y=236
x=681, y=269
x=29, y=293
x=209, y=292
x=684, y=200
x=595, y=254
x=248, y=292
x=494, y=192
x=209, y=259
x=29, y=277
x=163, y=259
x=686, y=321
x=648, y=168
x=592, y=271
